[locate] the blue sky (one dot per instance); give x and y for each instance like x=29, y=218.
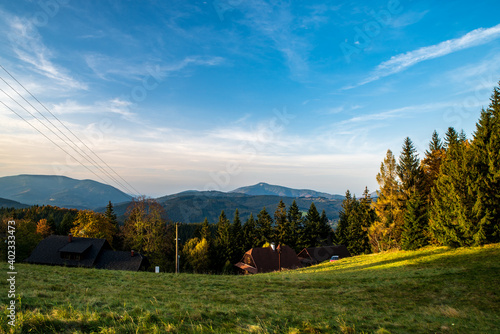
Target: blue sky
x=177, y=95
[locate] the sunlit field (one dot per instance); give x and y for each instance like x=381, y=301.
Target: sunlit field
x=432, y=290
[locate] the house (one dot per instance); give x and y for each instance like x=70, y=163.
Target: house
x=59, y=250
x=315, y=255
x=263, y=260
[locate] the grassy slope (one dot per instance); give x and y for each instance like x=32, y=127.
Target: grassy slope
x=432, y=290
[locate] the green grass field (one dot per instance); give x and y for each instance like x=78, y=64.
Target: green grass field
x=433, y=290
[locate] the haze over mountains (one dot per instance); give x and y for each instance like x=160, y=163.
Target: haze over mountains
x=188, y=206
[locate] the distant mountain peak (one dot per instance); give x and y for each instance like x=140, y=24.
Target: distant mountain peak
x=263, y=188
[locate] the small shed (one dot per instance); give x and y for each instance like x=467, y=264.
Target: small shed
x=263, y=260
x=315, y=255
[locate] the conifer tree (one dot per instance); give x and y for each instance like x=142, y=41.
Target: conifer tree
x=296, y=227
x=237, y=235
x=264, y=228
x=312, y=232
x=250, y=234
x=450, y=138
x=450, y=215
x=223, y=241
x=408, y=169
x=431, y=164
x=360, y=219
x=385, y=232
x=205, y=230
x=283, y=232
x=415, y=226
x=326, y=229
x=344, y=213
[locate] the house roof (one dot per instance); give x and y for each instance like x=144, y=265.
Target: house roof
x=118, y=260
x=48, y=251
x=77, y=247
x=315, y=255
x=93, y=252
x=267, y=260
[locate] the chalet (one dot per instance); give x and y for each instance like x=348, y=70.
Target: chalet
x=315, y=255
x=263, y=260
x=71, y=251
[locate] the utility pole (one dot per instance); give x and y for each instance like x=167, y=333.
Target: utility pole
x=176, y=248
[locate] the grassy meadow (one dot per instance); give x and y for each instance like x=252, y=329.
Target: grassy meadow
x=432, y=290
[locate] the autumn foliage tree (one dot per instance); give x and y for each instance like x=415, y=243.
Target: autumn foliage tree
x=90, y=224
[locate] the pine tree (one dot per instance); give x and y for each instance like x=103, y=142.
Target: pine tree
x=360, y=219
x=326, y=229
x=296, y=227
x=431, y=163
x=414, y=234
x=485, y=174
x=450, y=214
x=450, y=138
x=312, y=232
x=237, y=236
x=283, y=232
x=344, y=213
x=385, y=232
x=112, y=219
x=408, y=168
x=250, y=234
x=205, y=231
x=264, y=228
x=223, y=242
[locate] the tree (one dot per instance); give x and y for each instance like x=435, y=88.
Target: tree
x=450, y=214
x=326, y=229
x=408, y=169
x=283, y=231
x=147, y=231
x=264, y=227
x=385, y=232
x=112, y=220
x=223, y=242
x=344, y=214
x=414, y=233
x=431, y=163
x=197, y=254
x=360, y=219
x=89, y=224
x=450, y=138
x=237, y=235
x=43, y=228
x=296, y=227
x=249, y=233
x=205, y=230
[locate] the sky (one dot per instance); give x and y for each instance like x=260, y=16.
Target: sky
x=158, y=97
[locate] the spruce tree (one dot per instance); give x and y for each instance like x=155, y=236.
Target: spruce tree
x=431, y=163
x=328, y=235
x=283, y=232
x=296, y=227
x=250, y=234
x=408, y=168
x=264, y=228
x=223, y=242
x=415, y=226
x=312, y=232
x=237, y=237
x=344, y=213
x=450, y=138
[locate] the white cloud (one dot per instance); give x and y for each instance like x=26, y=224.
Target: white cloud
x=403, y=61
x=28, y=46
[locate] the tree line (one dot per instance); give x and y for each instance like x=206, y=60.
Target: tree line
x=450, y=197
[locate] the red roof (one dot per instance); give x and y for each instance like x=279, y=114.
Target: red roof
x=263, y=260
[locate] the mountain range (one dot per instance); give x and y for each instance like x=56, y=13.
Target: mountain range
x=188, y=206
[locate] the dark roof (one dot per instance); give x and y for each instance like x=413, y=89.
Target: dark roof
x=117, y=260
x=84, y=252
x=76, y=246
x=263, y=260
x=48, y=251
x=314, y=255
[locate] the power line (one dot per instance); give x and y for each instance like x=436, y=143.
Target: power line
x=53, y=142
x=77, y=149
x=81, y=141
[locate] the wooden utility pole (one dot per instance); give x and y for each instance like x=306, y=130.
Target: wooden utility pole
x=176, y=248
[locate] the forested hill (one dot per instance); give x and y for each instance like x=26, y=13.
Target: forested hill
x=195, y=206
x=263, y=188
x=59, y=191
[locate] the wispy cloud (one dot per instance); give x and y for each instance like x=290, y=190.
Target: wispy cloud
x=28, y=46
x=403, y=61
